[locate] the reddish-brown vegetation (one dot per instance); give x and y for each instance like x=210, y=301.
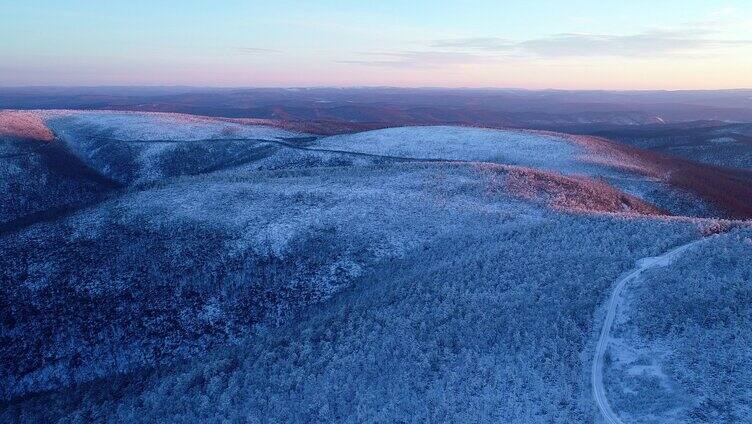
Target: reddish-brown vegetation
x=330, y=127
x=312, y=127
x=715, y=226
x=568, y=193
x=727, y=189
x=27, y=125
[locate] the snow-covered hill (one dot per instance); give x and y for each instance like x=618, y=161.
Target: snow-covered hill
x=465, y=143
x=169, y=268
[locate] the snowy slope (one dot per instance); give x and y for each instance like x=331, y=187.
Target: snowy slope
x=682, y=347
x=559, y=153
x=216, y=271
x=464, y=143
x=210, y=256
x=137, y=147
x=145, y=126
x=233, y=251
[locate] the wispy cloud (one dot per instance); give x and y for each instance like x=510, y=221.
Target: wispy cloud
x=417, y=59
x=690, y=40
x=478, y=43
x=654, y=43
x=647, y=44
x=256, y=50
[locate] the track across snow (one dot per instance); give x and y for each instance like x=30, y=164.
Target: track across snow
x=642, y=265
x=511, y=147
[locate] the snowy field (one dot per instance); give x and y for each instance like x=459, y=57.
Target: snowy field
x=165, y=268
x=464, y=143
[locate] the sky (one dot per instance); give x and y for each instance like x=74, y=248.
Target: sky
x=573, y=44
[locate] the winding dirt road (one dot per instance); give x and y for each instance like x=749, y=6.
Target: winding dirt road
x=599, y=393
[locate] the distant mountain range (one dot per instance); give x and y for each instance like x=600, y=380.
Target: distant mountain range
x=379, y=107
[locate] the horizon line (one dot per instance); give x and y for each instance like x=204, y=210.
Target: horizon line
x=363, y=87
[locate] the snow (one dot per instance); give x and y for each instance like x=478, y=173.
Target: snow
x=232, y=279
x=687, y=322
x=167, y=126
x=140, y=147
x=615, y=300
x=721, y=140
x=542, y=151
x=464, y=143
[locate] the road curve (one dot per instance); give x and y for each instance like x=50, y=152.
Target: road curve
x=599, y=393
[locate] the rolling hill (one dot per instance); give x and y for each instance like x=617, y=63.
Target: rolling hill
x=173, y=268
